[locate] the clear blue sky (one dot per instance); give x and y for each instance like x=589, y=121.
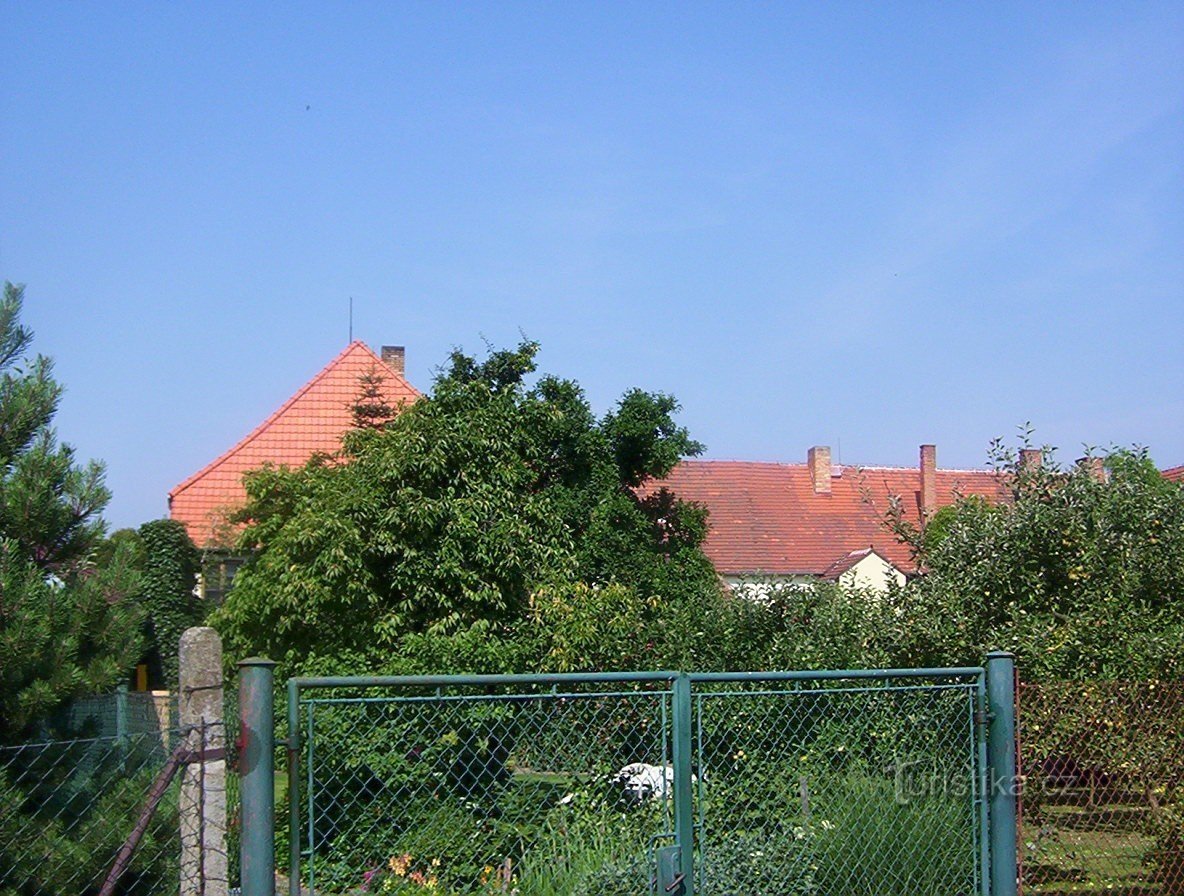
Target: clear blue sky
x=860, y=223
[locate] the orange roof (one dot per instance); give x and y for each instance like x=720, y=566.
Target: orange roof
x=1173, y=474
x=311, y=421
x=765, y=518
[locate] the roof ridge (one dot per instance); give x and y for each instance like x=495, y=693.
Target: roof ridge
x=780, y=463
x=723, y=460
x=258, y=430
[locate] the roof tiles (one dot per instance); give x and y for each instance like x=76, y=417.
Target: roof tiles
x=311, y=421
x=765, y=518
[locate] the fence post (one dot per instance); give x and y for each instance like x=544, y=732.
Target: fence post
x=1002, y=781
x=684, y=808
x=293, y=788
x=203, y=781
x=257, y=774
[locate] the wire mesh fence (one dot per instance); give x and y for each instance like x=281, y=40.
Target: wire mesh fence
x=484, y=789
x=839, y=787
x=108, y=814
x=798, y=787
x=1102, y=809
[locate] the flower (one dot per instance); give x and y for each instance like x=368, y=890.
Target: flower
x=399, y=864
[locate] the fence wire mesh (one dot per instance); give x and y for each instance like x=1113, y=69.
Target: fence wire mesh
x=69, y=807
x=1102, y=808
x=491, y=790
x=838, y=788
x=799, y=788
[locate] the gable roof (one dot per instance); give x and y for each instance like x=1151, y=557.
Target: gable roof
x=311, y=421
x=845, y=564
x=766, y=518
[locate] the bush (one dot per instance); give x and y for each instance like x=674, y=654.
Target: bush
x=745, y=864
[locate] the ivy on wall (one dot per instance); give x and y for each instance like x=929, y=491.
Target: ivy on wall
x=171, y=564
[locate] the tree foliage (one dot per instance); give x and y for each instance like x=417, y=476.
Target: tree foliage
x=170, y=566
x=1081, y=577
x=455, y=514
x=67, y=624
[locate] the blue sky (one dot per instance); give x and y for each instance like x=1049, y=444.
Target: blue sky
x=855, y=224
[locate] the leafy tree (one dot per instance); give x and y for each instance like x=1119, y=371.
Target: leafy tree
x=67, y=625
x=452, y=516
x=1081, y=577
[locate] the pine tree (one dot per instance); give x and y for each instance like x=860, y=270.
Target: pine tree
x=68, y=626
x=370, y=409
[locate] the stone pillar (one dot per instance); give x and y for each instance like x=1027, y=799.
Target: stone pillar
x=203, y=782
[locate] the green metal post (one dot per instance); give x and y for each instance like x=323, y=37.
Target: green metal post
x=684, y=807
x=257, y=771
x=982, y=784
x=293, y=788
x=1003, y=781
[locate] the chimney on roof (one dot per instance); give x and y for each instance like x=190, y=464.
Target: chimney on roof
x=395, y=357
x=1031, y=459
x=818, y=459
x=1095, y=467
x=928, y=482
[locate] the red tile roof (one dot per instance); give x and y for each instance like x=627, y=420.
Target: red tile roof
x=765, y=518
x=1174, y=474
x=313, y=420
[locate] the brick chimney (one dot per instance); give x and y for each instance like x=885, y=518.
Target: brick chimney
x=928, y=482
x=1094, y=466
x=818, y=460
x=1031, y=459
x=394, y=357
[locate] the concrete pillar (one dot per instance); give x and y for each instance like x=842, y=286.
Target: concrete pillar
x=203, y=782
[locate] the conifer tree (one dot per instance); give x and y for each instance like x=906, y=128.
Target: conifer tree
x=68, y=626
x=370, y=409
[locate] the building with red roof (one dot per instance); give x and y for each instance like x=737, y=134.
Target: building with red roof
x=770, y=521
x=818, y=520
x=311, y=421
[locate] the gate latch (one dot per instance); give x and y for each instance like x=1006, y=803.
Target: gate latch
x=670, y=876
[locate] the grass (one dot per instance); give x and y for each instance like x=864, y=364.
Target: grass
x=1068, y=855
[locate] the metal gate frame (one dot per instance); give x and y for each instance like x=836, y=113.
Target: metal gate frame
x=996, y=766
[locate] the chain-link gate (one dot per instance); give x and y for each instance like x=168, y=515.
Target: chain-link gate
x=560, y=784
x=843, y=783
x=631, y=784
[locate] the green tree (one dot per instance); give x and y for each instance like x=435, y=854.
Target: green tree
x=68, y=626
x=1082, y=577
x=451, y=516
x=371, y=409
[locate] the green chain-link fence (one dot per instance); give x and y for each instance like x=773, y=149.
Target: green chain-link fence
x=794, y=784
x=73, y=809
x=68, y=807
x=482, y=789
x=868, y=786
x=1103, y=799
